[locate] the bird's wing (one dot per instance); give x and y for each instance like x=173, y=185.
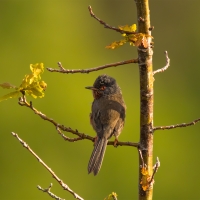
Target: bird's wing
x=109, y=113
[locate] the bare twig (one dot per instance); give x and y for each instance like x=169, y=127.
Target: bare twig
x=81, y=136
x=131, y=144
x=60, y=66
x=64, y=186
x=141, y=157
x=47, y=190
x=67, y=138
x=177, y=125
x=155, y=169
x=106, y=25
x=73, y=71
x=166, y=66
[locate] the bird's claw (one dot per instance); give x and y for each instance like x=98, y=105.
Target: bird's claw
x=95, y=140
x=115, y=142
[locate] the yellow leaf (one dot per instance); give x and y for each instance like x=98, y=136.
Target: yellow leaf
x=133, y=27
x=31, y=84
x=111, y=196
x=125, y=28
x=35, y=92
x=43, y=85
x=116, y=44
x=10, y=95
x=37, y=68
x=144, y=171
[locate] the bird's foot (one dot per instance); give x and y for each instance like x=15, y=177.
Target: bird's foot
x=95, y=140
x=115, y=142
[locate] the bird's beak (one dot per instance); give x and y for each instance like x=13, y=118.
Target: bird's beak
x=91, y=88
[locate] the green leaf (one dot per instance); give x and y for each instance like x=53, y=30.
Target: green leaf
x=14, y=94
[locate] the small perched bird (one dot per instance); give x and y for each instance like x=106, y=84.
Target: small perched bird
x=107, y=117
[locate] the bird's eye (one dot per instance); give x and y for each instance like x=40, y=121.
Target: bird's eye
x=103, y=87
x=101, y=82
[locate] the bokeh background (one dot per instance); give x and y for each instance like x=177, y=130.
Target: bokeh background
x=49, y=31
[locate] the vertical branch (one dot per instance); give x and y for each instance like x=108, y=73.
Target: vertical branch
x=146, y=96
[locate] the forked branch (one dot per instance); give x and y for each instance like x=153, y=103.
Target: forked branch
x=47, y=190
x=81, y=136
x=64, y=186
x=106, y=25
x=155, y=169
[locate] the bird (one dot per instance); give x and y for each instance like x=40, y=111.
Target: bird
x=107, y=117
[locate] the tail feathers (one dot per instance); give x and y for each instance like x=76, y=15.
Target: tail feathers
x=97, y=156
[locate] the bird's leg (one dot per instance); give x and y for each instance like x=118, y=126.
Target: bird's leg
x=116, y=141
x=95, y=140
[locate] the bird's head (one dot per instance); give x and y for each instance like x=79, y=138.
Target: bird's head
x=104, y=85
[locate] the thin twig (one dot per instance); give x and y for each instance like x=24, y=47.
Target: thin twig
x=166, y=66
x=106, y=25
x=81, y=136
x=155, y=169
x=177, y=125
x=141, y=157
x=47, y=190
x=64, y=186
x=73, y=71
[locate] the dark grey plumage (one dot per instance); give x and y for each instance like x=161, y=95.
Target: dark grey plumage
x=107, y=117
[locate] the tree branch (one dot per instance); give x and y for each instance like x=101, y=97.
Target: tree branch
x=106, y=25
x=81, y=136
x=146, y=97
x=177, y=125
x=87, y=71
x=47, y=190
x=166, y=66
x=64, y=186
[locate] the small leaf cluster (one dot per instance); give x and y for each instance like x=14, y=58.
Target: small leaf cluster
x=31, y=84
x=130, y=36
x=111, y=196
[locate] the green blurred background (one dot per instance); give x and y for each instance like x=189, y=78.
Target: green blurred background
x=49, y=31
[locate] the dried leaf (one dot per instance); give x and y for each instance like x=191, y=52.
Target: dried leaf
x=116, y=44
x=7, y=85
x=145, y=179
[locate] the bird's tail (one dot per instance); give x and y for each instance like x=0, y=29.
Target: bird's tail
x=96, y=158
